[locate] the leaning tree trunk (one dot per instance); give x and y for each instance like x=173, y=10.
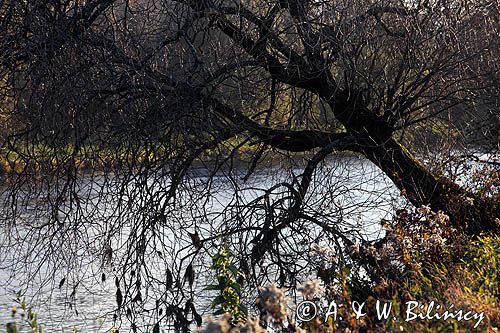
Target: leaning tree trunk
x=468, y=211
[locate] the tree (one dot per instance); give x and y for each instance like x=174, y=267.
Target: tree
x=146, y=90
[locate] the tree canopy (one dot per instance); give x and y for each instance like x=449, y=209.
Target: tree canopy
x=112, y=109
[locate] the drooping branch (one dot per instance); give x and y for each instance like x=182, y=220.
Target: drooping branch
x=265, y=240
x=63, y=28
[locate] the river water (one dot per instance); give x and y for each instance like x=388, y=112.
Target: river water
x=363, y=194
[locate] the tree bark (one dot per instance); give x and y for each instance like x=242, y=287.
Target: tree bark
x=468, y=211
